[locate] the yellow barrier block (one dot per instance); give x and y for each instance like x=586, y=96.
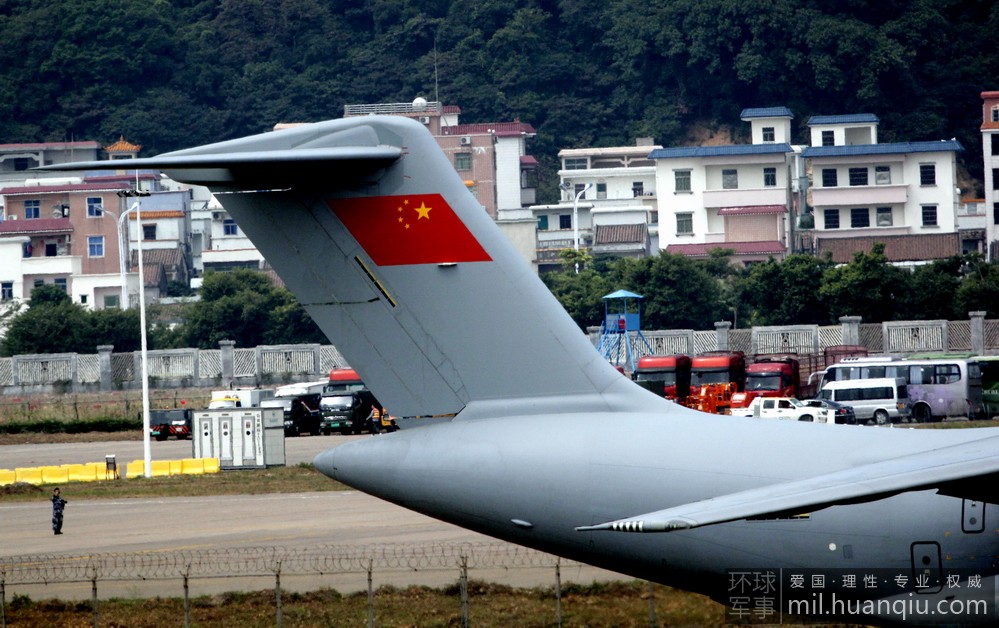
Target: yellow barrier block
x=192, y=465
x=211, y=465
x=31, y=475
x=7, y=477
x=55, y=475
x=160, y=468
x=82, y=473
x=176, y=467
x=135, y=469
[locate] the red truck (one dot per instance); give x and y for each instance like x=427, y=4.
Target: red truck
x=666, y=375
x=719, y=367
x=769, y=376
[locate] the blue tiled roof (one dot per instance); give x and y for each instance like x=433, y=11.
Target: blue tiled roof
x=852, y=118
x=881, y=149
x=766, y=112
x=681, y=152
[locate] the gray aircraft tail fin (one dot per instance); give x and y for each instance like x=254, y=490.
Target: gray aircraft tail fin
x=368, y=223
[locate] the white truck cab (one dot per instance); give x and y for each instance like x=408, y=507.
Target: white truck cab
x=782, y=408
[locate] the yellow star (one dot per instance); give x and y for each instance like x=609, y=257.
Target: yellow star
x=423, y=211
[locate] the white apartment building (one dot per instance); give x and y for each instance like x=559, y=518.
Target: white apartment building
x=902, y=194
x=736, y=197
x=990, y=152
x=608, y=198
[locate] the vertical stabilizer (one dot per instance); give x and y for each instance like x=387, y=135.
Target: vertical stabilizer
x=368, y=223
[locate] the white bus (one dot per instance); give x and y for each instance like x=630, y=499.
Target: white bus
x=939, y=386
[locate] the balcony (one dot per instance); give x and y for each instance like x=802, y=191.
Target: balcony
x=745, y=197
x=64, y=265
x=860, y=195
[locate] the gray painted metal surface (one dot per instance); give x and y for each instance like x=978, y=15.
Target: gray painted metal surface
x=551, y=447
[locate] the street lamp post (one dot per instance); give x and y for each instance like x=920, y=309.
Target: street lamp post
x=146, y=448
x=575, y=221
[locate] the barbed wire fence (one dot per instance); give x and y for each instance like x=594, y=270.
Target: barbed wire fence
x=275, y=562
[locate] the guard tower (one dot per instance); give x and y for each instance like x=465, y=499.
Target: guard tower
x=622, y=315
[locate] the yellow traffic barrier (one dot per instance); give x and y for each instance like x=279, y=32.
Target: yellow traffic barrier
x=211, y=465
x=160, y=468
x=7, y=477
x=192, y=465
x=82, y=473
x=55, y=475
x=31, y=475
x=135, y=469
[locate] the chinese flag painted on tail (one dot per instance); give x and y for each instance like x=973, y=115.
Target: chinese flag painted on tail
x=410, y=229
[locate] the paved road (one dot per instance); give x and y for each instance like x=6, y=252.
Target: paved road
x=298, y=449
x=299, y=520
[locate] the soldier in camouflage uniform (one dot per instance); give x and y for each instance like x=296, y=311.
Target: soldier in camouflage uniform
x=58, y=504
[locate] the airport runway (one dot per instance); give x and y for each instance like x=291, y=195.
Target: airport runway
x=292, y=521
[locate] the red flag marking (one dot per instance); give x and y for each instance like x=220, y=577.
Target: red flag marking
x=410, y=229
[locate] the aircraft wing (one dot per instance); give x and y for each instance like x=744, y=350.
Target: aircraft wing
x=961, y=470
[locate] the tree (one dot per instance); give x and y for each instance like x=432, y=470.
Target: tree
x=868, y=287
x=786, y=292
x=246, y=307
x=979, y=290
x=53, y=324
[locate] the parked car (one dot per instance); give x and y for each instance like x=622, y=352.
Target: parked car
x=844, y=414
x=783, y=408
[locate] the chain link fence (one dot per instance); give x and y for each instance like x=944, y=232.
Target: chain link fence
x=93, y=572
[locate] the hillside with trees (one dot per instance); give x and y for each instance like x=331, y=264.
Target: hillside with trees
x=174, y=73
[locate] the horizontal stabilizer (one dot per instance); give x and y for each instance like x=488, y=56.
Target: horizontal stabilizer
x=295, y=162
x=948, y=467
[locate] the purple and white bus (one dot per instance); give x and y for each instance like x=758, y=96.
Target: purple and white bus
x=940, y=385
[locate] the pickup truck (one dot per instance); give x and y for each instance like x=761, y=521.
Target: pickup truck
x=782, y=408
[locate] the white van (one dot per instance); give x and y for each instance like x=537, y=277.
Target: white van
x=880, y=399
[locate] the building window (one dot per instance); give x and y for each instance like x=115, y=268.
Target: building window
x=463, y=161
x=995, y=178
x=831, y=218
x=543, y=223
x=995, y=143
x=730, y=179
x=768, y=134
x=637, y=188
x=882, y=175
x=884, y=216
x=769, y=177
x=580, y=189
x=829, y=179
x=828, y=139
x=995, y=213
x=83, y=299
x=684, y=224
x=111, y=300
x=6, y=291
x=95, y=246
x=601, y=190
x=565, y=221
x=929, y=215
x=39, y=283
x=995, y=113
x=577, y=163
x=148, y=232
x=32, y=209
x=682, y=179
x=60, y=282
x=860, y=217
x=229, y=227
x=529, y=178
x=858, y=176
x=927, y=174
x=27, y=249
x=95, y=206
